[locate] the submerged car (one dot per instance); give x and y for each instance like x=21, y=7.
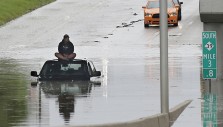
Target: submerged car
x=152, y=13
x=77, y=69
x=177, y=4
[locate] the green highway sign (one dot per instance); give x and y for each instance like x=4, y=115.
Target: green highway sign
x=209, y=55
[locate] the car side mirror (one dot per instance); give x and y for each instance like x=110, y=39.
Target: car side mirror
x=34, y=74
x=181, y=2
x=143, y=7
x=97, y=73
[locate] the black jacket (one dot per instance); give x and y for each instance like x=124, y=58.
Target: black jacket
x=66, y=48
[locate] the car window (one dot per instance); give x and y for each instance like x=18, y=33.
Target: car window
x=92, y=66
x=155, y=4
x=70, y=66
x=58, y=68
x=170, y=4
x=176, y=1
x=90, y=69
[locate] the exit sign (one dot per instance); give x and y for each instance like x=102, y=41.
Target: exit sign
x=209, y=55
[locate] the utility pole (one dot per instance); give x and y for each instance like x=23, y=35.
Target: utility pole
x=164, y=78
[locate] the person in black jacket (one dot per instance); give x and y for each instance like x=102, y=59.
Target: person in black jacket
x=65, y=49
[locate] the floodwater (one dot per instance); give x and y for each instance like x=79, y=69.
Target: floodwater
x=13, y=93
x=112, y=35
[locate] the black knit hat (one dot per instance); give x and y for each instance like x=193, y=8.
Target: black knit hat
x=66, y=36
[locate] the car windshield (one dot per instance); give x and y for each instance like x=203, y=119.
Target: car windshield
x=55, y=68
x=175, y=1
x=155, y=4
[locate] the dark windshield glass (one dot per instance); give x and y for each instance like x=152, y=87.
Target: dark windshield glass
x=155, y=4
x=58, y=68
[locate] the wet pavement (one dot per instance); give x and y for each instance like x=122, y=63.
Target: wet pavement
x=112, y=35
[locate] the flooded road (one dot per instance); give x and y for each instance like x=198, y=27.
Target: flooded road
x=112, y=35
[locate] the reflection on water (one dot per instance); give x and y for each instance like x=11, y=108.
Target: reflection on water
x=209, y=110
x=13, y=104
x=65, y=92
x=212, y=104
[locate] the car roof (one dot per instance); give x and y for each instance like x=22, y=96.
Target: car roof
x=56, y=60
x=158, y=0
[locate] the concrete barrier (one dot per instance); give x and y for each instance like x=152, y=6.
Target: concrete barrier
x=158, y=120
x=177, y=110
x=152, y=121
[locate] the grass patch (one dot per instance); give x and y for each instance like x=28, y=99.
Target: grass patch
x=11, y=9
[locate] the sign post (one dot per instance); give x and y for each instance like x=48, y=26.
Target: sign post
x=209, y=55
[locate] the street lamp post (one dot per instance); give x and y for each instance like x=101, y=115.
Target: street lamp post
x=164, y=81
